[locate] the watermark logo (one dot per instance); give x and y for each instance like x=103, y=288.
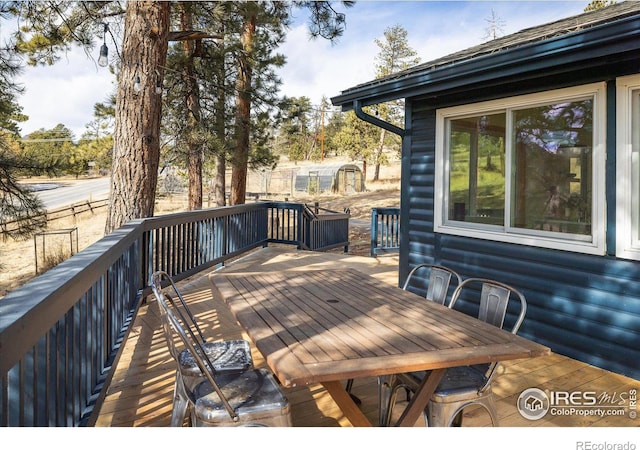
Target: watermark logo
x=534, y=403
x=590, y=445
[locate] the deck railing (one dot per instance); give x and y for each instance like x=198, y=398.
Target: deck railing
x=61, y=332
x=385, y=230
x=324, y=229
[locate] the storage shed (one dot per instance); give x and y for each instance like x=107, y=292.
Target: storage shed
x=337, y=178
x=520, y=163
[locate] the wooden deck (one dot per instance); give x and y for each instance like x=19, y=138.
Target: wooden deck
x=140, y=392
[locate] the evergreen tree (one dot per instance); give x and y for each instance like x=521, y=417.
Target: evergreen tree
x=97, y=141
x=52, y=148
x=16, y=202
x=357, y=139
x=597, y=4
x=296, y=128
x=334, y=123
x=50, y=28
x=394, y=56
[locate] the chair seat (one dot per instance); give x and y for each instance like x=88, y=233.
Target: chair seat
x=226, y=356
x=254, y=394
x=460, y=383
x=456, y=382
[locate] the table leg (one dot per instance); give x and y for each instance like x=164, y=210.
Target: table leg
x=346, y=404
x=420, y=399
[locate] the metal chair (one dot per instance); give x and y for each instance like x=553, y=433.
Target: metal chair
x=249, y=398
x=470, y=385
x=227, y=356
x=439, y=281
x=437, y=289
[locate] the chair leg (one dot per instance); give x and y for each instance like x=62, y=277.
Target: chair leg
x=348, y=388
x=457, y=420
x=388, y=387
x=441, y=414
x=490, y=406
x=180, y=402
x=349, y=385
x=384, y=399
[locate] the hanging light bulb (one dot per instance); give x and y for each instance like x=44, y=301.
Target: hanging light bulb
x=137, y=86
x=103, y=60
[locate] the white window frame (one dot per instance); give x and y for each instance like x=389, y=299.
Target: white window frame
x=592, y=244
x=627, y=167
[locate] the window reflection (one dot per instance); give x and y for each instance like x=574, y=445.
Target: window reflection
x=552, y=176
x=477, y=169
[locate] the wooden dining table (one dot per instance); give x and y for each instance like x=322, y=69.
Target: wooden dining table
x=328, y=326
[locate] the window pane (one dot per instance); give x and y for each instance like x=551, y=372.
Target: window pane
x=476, y=178
x=553, y=164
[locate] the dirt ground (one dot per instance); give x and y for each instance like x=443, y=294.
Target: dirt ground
x=17, y=258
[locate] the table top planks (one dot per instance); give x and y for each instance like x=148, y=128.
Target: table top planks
x=329, y=325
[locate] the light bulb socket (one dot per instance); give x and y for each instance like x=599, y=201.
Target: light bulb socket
x=158, y=83
x=137, y=87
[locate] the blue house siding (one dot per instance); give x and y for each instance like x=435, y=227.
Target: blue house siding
x=582, y=306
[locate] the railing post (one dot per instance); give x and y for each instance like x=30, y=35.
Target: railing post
x=374, y=231
x=306, y=228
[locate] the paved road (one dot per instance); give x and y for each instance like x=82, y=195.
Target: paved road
x=70, y=192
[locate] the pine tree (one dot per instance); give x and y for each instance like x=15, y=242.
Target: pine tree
x=17, y=204
x=50, y=28
x=395, y=55
x=597, y=4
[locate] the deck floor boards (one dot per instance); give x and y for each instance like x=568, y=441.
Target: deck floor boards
x=141, y=390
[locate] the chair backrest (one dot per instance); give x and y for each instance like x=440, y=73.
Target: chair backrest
x=185, y=313
x=439, y=281
x=188, y=335
x=494, y=301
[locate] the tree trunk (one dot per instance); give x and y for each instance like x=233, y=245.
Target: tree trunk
x=240, y=157
x=136, y=149
x=219, y=187
x=195, y=155
x=219, y=183
x=376, y=171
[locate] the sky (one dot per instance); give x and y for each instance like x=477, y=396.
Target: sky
x=66, y=92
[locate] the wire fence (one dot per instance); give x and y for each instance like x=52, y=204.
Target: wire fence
x=56, y=214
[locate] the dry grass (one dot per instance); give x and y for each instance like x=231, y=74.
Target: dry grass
x=17, y=257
